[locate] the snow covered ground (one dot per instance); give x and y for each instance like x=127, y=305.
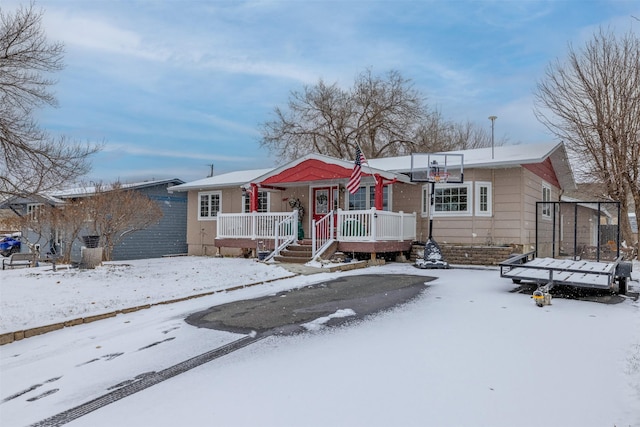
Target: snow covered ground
x=466, y=352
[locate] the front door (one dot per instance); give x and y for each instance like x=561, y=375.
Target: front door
x=325, y=199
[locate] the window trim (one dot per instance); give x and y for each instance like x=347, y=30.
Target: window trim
x=426, y=201
x=478, y=186
x=546, y=208
x=209, y=217
x=34, y=211
x=369, y=198
x=245, y=200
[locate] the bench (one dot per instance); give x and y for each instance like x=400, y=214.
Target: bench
x=19, y=260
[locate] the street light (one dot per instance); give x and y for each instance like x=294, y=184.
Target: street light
x=493, y=121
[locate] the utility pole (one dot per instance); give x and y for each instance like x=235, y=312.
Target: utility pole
x=493, y=120
x=211, y=170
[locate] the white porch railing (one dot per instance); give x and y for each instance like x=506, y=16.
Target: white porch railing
x=322, y=232
x=252, y=225
x=374, y=225
x=286, y=233
x=355, y=226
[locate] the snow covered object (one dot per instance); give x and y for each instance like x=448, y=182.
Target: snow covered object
x=432, y=256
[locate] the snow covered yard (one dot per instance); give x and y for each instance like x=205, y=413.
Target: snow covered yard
x=466, y=352
x=31, y=297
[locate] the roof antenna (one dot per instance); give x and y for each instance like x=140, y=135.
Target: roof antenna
x=211, y=170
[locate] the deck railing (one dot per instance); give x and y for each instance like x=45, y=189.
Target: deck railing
x=362, y=225
x=252, y=225
x=286, y=233
x=322, y=233
x=374, y=225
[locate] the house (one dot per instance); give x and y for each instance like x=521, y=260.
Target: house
x=168, y=237
x=240, y=212
x=21, y=206
x=579, y=229
x=596, y=192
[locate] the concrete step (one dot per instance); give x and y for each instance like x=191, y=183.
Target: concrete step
x=292, y=259
x=298, y=250
x=296, y=254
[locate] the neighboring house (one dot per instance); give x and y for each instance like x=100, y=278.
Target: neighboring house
x=495, y=205
x=596, y=191
x=168, y=237
x=582, y=229
x=27, y=206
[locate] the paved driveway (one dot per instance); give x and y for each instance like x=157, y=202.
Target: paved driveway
x=286, y=312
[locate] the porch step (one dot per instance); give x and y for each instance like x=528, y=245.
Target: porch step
x=296, y=254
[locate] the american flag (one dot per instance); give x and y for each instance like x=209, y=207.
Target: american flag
x=356, y=174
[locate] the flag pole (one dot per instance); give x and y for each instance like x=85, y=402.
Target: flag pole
x=375, y=180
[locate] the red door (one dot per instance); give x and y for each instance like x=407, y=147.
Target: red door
x=322, y=202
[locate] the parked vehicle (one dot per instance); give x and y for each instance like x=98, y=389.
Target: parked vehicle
x=9, y=245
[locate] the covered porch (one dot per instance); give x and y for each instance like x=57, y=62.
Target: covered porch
x=325, y=215
x=362, y=231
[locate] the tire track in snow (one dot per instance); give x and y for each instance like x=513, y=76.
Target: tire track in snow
x=146, y=382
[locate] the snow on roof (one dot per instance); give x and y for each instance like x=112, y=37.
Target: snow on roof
x=91, y=189
x=34, y=198
x=480, y=157
x=223, y=180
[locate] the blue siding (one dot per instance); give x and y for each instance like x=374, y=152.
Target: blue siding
x=168, y=237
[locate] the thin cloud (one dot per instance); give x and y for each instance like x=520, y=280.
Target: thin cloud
x=154, y=152
x=96, y=34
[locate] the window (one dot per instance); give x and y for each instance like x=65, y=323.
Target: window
x=483, y=199
x=453, y=199
x=358, y=201
x=365, y=198
x=34, y=211
x=449, y=200
x=263, y=202
x=546, y=197
x=385, y=197
x=322, y=201
x=210, y=203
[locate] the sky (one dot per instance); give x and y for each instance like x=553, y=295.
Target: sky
x=169, y=88
x=467, y=351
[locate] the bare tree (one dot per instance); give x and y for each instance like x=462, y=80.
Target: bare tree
x=437, y=134
x=591, y=101
x=386, y=116
x=31, y=160
x=116, y=212
x=109, y=211
x=68, y=221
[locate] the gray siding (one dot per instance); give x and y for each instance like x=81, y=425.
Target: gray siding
x=168, y=237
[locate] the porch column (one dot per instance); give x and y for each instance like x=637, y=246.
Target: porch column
x=378, y=192
x=253, y=198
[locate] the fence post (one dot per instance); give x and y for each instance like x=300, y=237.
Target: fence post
x=374, y=224
x=332, y=226
x=254, y=224
x=401, y=233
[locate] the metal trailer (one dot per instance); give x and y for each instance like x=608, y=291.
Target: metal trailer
x=565, y=263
